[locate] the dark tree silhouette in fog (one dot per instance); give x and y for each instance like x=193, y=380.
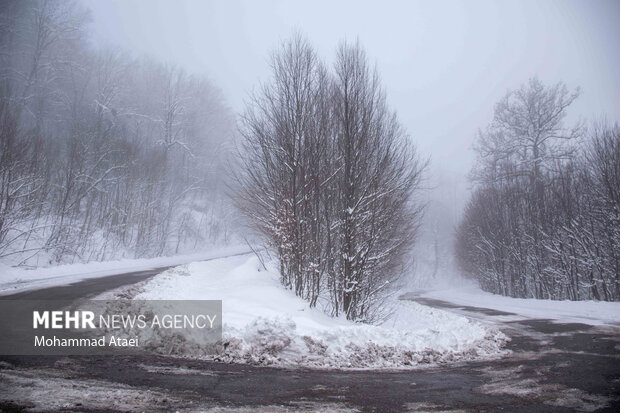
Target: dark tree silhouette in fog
x=543, y=218
x=329, y=177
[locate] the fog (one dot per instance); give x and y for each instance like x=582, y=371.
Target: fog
x=122, y=120
x=444, y=63
x=346, y=187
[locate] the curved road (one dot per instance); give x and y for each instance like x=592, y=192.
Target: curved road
x=552, y=368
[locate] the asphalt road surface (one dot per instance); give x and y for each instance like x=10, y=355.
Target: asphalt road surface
x=551, y=368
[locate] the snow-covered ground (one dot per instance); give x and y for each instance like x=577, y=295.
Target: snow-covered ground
x=264, y=323
x=586, y=312
x=17, y=279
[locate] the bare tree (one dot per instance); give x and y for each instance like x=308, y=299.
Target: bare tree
x=102, y=155
x=327, y=179
x=542, y=221
x=377, y=175
x=285, y=131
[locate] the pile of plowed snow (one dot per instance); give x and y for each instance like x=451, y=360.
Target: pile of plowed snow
x=264, y=323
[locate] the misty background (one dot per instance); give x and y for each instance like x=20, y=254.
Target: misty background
x=166, y=80
x=444, y=64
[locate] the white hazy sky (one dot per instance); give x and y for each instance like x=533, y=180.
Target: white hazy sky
x=444, y=63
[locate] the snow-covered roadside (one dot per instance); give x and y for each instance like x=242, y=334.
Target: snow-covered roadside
x=586, y=312
x=15, y=279
x=265, y=323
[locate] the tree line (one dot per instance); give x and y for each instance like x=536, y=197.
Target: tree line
x=544, y=217
x=102, y=153
x=328, y=177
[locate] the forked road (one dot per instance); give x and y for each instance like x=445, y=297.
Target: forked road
x=552, y=368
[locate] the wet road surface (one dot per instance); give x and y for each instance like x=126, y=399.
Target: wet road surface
x=552, y=367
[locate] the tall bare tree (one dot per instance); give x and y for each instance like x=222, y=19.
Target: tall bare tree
x=328, y=177
x=101, y=154
x=542, y=221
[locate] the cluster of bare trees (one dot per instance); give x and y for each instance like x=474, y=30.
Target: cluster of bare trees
x=327, y=178
x=544, y=219
x=101, y=152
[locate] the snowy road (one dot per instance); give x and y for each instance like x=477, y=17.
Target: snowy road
x=553, y=367
x=109, y=274
x=85, y=288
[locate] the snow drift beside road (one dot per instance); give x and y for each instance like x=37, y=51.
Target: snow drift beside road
x=17, y=279
x=264, y=323
x=586, y=312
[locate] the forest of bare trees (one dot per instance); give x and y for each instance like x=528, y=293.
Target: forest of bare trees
x=329, y=177
x=106, y=155
x=102, y=153
x=544, y=218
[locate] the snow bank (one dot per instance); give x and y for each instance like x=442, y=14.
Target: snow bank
x=587, y=312
x=16, y=279
x=265, y=323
